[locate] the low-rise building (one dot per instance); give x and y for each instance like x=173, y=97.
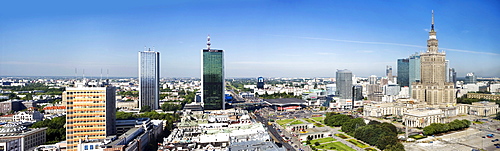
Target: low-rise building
x=55, y=109
x=483, y=108
x=423, y=117
x=220, y=130
x=483, y=96
x=28, y=116
x=28, y=138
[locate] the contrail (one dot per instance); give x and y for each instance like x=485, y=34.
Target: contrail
x=386, y=43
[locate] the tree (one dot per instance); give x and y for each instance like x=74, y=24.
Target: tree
x=351, y=125
x=171, y=107
x=395, y=147
x=124, y=115
x=386, y=140
x=55, y=129
x=336, y=119
x=145, y=108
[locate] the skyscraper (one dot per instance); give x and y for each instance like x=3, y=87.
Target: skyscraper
x=453, y=77
x=372, y=79
x=90, y=116
x=149, y=77
x=344, y=84
x=404, y=72
x=413, y=70
x=433, y=88
x=212, y=78
x=447, y=69
x=470, y=78
x=260, y=83
x=388, y=73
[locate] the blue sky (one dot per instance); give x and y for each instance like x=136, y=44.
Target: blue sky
x=275, y=38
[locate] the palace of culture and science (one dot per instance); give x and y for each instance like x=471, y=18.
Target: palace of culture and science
x=433, y=88
x=433, y=99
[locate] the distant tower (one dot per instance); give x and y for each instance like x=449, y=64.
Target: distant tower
x=260, y=83
x=213, y=86
x=470, y=78
x=149, y=79
x=388, y=73
x=433, y=88
x=447, y=69
x=372, y=79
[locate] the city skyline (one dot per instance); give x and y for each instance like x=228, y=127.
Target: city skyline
x=269, y=39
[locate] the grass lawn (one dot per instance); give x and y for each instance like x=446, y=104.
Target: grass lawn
x=342, y=136
x=284, y=121
x=323, y=140
x=308, y=120
x=477, y=122
x=296, y=122
x=318, y=125
x=417, y=136
x=357, y=143
x=319, y=119
x=335, y=146
x=370, y=149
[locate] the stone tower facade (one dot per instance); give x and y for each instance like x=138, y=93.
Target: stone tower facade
x=432, y=87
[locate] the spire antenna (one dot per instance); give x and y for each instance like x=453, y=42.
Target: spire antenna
x=208, y=42
x=432, y=26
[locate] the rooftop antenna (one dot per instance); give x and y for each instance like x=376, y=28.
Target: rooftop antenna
x=76, y=75
x=145, y=48
x=83, y=74
x=101, y=74
x=208, y=42
x=107, y=75
x=153, y=48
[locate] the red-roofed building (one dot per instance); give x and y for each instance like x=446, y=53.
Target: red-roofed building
x=6, y=118
x=55, y=109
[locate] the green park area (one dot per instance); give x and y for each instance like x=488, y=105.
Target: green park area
x=323, y=140
x=370, y=149
x=357, y=143
x=416, y=136
x=477, y=122
x=296, y=122
x=319, y=119
x=341, y=136
x=309, y=120
x=318, y=125
x=284, y=121
x=335, y=146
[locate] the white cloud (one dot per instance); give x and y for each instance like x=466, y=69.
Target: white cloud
x=387, y=43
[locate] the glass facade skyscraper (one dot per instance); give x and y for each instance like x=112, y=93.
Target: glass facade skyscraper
x=213, y=86
x=260, y=83
x=149, y=77
x=414, y=70
x=344, y=84
x=403, y=72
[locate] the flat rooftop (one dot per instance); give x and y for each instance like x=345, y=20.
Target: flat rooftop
x=285, y=101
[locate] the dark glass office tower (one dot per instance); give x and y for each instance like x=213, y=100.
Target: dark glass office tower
x=149, y=77
x=404, y=72
x=212, y=78
x=260, y=83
